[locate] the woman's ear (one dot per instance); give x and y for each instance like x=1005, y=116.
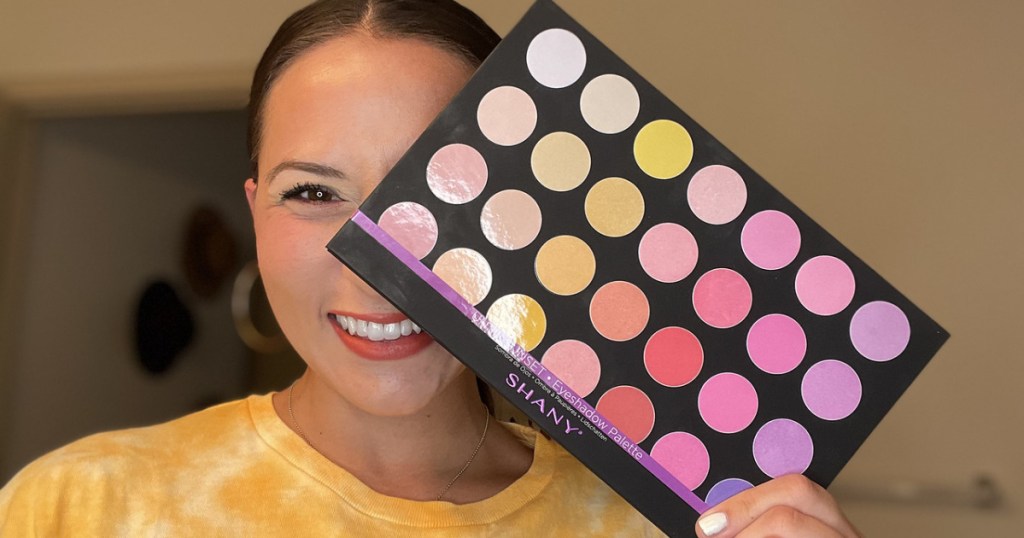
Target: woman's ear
x=250, y=194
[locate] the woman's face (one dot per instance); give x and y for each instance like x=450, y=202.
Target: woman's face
x=335, y=122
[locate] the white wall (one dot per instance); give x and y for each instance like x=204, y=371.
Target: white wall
x=898, y=125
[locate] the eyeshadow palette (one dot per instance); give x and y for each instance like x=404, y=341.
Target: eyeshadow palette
x=631, y=285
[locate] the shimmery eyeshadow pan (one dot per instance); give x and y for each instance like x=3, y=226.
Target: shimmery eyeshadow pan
x=630, y=284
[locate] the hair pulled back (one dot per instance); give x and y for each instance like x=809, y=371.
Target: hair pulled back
x=443, y=23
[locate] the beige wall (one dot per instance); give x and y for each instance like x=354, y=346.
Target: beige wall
x=897, y=125
x=106, y=209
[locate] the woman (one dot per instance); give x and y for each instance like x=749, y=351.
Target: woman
x=379, y=436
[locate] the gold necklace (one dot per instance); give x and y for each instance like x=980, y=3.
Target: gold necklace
x=480, y=443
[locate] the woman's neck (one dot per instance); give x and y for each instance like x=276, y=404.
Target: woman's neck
x=412, y=456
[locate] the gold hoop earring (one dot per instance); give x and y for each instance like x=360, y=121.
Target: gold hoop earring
x=241, y=313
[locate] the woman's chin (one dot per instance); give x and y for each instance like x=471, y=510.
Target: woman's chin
x=403, y=388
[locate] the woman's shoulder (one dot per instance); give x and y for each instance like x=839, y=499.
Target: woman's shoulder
x=594, y=505
x=565, y=470
x=155, y=441
x=136, y=452
x=97, y=482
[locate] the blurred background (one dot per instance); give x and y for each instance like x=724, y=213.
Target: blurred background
x=899, y=126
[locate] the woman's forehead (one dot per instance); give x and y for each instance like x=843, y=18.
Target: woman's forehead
x=359, y=92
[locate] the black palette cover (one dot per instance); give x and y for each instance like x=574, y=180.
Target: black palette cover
x=638, y=291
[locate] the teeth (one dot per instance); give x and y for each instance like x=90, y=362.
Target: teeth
x=377, y=331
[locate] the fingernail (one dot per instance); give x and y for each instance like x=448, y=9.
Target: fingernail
x=713, y=524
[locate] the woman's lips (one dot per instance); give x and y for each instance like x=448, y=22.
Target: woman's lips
x=379, y=336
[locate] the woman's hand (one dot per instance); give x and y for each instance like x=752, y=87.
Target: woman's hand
x=790, y=506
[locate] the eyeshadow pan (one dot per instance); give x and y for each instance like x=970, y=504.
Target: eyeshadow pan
x=511, y=219
x=467, y=272
x=619, y=311
x=565, y=265
x=668, y=252
x=685, y=456
x=614, y=207
x=521, y=317
x=556, y=58
x=630, y=410
x=783, y=446
x=560, y=161
x=457, y=173
x=776, y=343
x=717, y=194
x=663, y=149
x=507, y=116
x=831, y=390
x=575, y=363
x=673, y=356
x=609, y=104
x=880, y=331
x=770, y=239
x=412, y=225
x=727, y=402
x=722, y=298
x=825, y=285
x=726, y=488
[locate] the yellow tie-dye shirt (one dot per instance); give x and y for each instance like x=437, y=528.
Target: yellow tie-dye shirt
x=237, y=470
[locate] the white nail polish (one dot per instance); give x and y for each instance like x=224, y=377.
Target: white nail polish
x=713, y=524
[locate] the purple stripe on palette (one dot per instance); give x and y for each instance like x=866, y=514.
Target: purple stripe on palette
x=508, y=344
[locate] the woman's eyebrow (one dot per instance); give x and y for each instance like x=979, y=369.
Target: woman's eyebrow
x=304, y=166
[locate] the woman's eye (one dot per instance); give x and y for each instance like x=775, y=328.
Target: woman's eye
x=311, y=193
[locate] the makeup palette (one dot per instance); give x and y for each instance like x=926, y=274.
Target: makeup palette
x=638, y=291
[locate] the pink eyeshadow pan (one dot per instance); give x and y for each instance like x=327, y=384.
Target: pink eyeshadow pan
x=412, y=225
x=575, y=363
x=722, y=298
x=685, y=456
x=825, y=285
x=717, y=194
x=776, y=343
x=727, y=402
x=668, y=252
x=457, y=173
x=770, y=240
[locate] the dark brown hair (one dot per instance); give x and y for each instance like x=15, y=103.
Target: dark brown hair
x=443, y=23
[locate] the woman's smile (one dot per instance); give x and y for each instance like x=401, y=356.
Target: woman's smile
x=379, y=337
